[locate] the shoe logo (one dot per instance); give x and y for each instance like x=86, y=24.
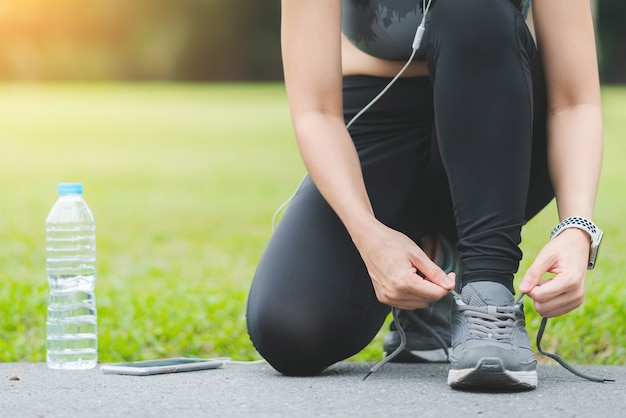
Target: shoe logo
x=490, y=366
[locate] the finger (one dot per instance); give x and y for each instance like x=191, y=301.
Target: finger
x=544, y=291
x=558, y=296
x=549, y=300
x=557, y=306
x=432, y=292
x=535, y=272
x=450, y=281
x=434, y=274
x=416, y=288
x=409, y=291
x=551, y=310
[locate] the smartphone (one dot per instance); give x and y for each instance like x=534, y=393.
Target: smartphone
x=161, y=366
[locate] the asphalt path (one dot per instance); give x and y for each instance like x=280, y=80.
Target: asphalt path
x=33, y=390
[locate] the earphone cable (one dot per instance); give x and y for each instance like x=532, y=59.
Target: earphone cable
x=416, y=45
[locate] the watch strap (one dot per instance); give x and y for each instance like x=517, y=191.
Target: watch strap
x=595, y=234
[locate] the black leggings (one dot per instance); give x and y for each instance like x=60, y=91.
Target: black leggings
x=462, y=153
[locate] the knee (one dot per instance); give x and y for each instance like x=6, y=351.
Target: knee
x=292, y=341
x=475, y=27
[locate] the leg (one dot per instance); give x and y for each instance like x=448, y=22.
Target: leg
x=489, y=118
x=312, y=303
x=481, y=61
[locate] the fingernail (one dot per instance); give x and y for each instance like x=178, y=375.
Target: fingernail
x=449, y=281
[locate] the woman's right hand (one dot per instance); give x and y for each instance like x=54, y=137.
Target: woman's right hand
x=402, y=273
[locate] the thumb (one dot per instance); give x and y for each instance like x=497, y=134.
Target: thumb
x=449, y=282
x=443, y=279
x=534, y=274
x=433, y=273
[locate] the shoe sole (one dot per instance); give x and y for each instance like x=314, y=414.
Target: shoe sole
x=431, y=356
x=491, y=375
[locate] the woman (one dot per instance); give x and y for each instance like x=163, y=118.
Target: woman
x=480, y=132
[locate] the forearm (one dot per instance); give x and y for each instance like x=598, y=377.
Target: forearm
x=331, y=159
x=575, y=156
x=311, y=34
x=567, y=45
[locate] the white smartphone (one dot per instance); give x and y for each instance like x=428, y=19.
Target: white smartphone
x=161, y=366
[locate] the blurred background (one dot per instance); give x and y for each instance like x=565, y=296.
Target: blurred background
x=183, y=40
x=178, y=40
x=175, y=118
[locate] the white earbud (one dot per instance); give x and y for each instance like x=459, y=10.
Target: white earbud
x=419, y=34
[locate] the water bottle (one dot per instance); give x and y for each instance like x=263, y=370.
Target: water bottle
x=71, y=326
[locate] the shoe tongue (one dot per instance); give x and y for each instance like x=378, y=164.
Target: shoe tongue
x=486, y=294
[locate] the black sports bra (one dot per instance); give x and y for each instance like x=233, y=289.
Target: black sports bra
x=385, y=28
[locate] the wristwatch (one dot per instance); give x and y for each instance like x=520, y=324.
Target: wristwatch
x=589, y=227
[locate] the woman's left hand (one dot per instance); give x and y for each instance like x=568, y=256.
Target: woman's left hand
x=566, y=256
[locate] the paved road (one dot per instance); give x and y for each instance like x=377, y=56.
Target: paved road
x=257, y=390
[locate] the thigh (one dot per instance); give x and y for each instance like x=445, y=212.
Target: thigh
x=311, y=303
x=399, y=154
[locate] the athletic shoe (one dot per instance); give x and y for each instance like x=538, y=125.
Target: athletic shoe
x=490, y=345
x=428, y=331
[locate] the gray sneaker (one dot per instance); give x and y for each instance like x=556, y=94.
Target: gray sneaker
x=490, y=346
x=428, y=331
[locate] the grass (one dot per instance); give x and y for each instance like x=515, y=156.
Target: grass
x=183, y=181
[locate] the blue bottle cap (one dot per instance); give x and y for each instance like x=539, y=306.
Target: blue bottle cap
x=69, y=188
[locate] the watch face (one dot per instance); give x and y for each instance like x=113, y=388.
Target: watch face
x=595, y=247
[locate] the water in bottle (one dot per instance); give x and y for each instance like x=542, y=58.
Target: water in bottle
x=71, y=327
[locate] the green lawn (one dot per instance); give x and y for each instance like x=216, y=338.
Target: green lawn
x=183, y=181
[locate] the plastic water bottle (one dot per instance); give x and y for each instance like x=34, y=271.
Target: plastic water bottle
x=71, y=327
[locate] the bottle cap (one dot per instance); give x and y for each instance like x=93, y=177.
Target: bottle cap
x=69, y=188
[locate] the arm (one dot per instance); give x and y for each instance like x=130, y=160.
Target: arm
x=311, y=47
x=566, y=42
x=312, y=65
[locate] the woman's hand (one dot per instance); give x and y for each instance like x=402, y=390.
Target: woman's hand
x=567, y=257
x=402, y=274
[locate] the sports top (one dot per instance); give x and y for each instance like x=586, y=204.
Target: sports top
x=385, y=28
